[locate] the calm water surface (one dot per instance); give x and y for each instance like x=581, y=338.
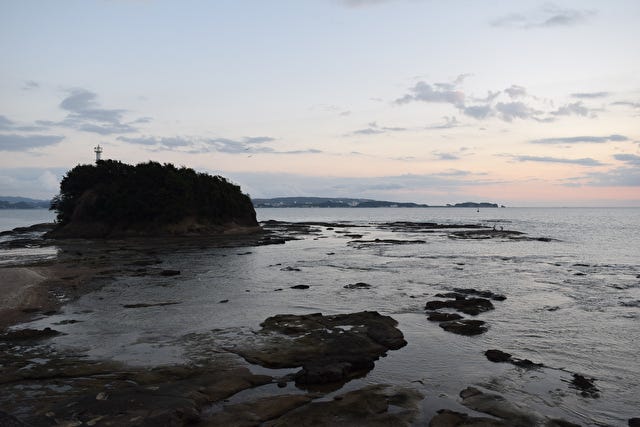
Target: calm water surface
x=572, y=304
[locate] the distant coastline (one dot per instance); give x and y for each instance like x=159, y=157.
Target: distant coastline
x=341, y=202
x=10, y=202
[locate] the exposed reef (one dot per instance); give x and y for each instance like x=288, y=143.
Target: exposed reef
x=330, y=349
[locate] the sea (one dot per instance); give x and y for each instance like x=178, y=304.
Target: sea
x=573, y=301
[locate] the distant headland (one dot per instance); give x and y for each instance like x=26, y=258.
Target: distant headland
x=341, y=202
x=12, y=202
x=114, y=199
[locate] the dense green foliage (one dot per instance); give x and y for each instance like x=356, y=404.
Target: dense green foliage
x=115, y=193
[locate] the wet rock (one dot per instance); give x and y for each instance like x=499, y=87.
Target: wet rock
x=330, y=349
x=29, y=334
x=497, y=356
x=359, y=285
x=258, y=411
x=498, y=406
x=454, y=295
x=300, y=287
x=483, y=294
x=448, y=418
x=471, y=306
x=435, y=316
x=585, y=385
x=526, y=363
x=377, y=405
x=366, y=243
x=155, y=304
x=224, y=301
x=7, y=420
x=290, y=269
x=579, y=274
x=465, y=327
x=168, y=273
x=561, y=423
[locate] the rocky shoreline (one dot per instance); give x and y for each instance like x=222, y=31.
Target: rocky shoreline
x=41, y=386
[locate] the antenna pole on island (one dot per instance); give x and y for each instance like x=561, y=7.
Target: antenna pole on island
x=98, y=151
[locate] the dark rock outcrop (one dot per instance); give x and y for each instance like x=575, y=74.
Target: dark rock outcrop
x=471, y=306
x=169, y=273
x=449, y=418
x=359, y=285
x=376, y=405
x=29, y=334
x=465, y=327
x=114, y=199
x=483, y=294
x=499, y=356
x=585, y=385
x=330, y=349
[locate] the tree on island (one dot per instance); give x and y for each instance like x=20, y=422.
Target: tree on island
x=113, y=198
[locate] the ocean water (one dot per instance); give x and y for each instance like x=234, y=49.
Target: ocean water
x=13, y=218
x=573, y=303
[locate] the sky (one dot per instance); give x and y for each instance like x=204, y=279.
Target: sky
x=526, y=103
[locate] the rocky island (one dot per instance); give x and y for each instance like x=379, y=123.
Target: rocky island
x=114, y=199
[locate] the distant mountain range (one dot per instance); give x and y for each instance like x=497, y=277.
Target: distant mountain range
x=11, y=202
x=341, y=202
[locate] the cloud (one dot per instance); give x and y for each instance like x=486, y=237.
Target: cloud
x=375, y=129
x=5, y=123
x=81, y=104
x=590, y=95
x=449, y=122
x=516, y=91
x=30, y=85
x=167, y=142
x=516, y=110
x=195, y=145
x=576, y=108
x=446, y=156
x=225, y=145
x=478, y=111
x=439, y=92
x=368, y=131
x=581, y=139
x=630, y=159
x=257, y=139
x=635, y=105
x=587, y=161
x=549, y=16
x=512, y=103
x=84, y=114
x=619, y=177
x=37, y=183
x=13, y=142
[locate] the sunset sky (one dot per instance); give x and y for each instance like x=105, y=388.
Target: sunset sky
x=525, y=103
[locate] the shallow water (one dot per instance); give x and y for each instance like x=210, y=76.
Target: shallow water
x=13, y=218
x=572, y=304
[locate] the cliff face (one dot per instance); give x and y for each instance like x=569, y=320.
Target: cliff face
x=113, y=199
